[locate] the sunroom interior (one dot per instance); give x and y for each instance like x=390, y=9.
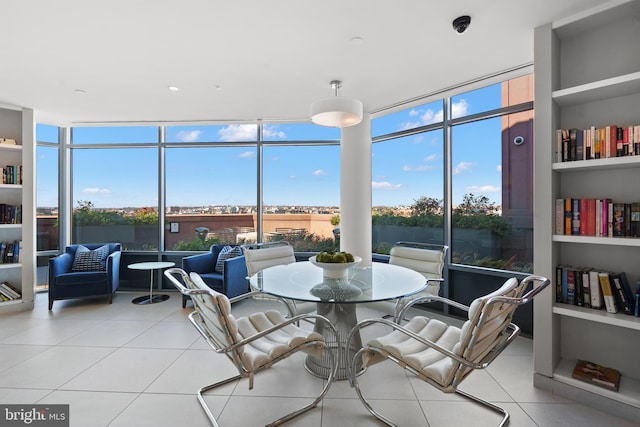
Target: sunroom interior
x=172, y=129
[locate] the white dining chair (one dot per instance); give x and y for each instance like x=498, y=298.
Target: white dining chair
x=441, y=354
x=259, y=256
x=425, y=258
x=252, y=343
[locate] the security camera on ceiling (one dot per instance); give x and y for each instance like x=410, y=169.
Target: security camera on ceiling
x=461, y=23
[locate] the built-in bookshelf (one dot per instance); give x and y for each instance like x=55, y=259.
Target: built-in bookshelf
x=17, y=204
x=586, y=78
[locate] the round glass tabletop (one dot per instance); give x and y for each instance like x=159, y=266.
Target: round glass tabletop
x=304, y=281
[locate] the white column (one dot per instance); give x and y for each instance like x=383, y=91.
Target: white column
x=355, y=190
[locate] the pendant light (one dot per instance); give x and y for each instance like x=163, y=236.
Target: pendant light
x=336, y=111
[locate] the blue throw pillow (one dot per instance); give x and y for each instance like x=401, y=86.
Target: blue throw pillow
x=90, y=260
x=226, y=253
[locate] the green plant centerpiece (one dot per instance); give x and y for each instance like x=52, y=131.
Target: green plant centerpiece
x=335, y=265
x=335, y=257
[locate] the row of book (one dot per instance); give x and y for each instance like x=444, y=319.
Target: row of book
x=597, y=217
x=590, y=288
x=12, y=174
x=597, y=143
x=8, y=292
x=10, y=214
x=10, y=252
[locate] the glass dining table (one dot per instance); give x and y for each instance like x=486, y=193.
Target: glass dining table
x=337, y=299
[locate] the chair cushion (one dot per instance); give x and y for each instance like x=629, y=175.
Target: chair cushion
x=259, y=259
x=90, y=260
x=226, y=253
x=428, y=262
x=215, y=311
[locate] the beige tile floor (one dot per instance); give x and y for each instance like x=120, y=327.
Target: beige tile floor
x=126, y=365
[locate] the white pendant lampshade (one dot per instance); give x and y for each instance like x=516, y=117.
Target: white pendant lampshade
x=336, y=111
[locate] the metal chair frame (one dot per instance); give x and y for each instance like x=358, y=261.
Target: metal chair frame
x=464, y=365
x=232, y=351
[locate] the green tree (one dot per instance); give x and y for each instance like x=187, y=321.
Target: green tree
x=472, y=205
x=426, y=206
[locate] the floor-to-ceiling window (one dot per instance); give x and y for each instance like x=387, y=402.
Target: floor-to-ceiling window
x=453, y=170
x=486, y=192
x=301, y=185
x=211, y=184
x=407, y=177
x=47, y=208
x=114, y=186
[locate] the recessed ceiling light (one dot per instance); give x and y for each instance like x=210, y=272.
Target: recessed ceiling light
x=79, y=91
x=218, y=87
x=173, y=88
x=357, y=41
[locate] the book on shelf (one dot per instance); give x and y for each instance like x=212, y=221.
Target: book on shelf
x=10, y=252
x=596, y=143
x=559, y=287
x=623, y=297
x=597, y=300
x=597, y=374
x=591, y=217
x=571, y=287
x=559, y=229
x=635, y=219
x=562, y=284
x=9, y=290
x=586, y=288
x=575, y=217
x=596, y=217
x=568, y=216
x=627, y=219
x=618, y=220
x=577, y=144
x=607, y=292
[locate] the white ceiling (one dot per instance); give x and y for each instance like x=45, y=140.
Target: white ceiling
x=250, y=59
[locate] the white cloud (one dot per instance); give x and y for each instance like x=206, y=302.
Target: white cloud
x=188, y=135
x=96, y=191
x=238, y=133
x=483, y=189
x=247, y=154
x=419, y=168
x=429, y=116
x=459, y=109
x=384, y=185
x=499, y=168
x=463, y=167
x=292, y=177
x=319, y=172
x=272, y=132
x=431, y=158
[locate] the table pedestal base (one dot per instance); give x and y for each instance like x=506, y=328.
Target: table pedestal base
x=150, y=299
x=343, y=317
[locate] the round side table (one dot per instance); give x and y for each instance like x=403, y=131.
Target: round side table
x=151, y=299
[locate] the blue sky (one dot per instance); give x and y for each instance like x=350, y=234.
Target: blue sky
x=402, y=170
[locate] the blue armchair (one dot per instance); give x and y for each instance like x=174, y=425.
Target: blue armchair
x=85, y=270
x=232, y=282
